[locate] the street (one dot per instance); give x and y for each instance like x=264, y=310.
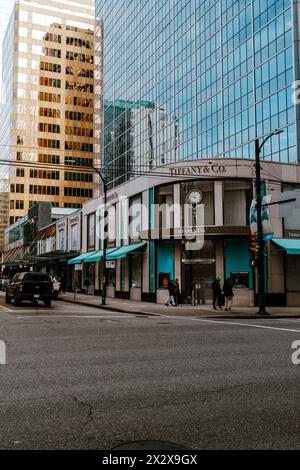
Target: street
x=81, y=378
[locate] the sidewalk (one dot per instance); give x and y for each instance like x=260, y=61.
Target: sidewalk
x=148, y=308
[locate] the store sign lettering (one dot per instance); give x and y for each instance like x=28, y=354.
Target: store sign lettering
x=198, y=170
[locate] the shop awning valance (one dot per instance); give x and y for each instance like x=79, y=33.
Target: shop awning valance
x=123, y=251
x=291, y=245
x=81, y=258
x=98, y=255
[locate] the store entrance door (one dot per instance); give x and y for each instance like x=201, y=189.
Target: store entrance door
x=198, y=273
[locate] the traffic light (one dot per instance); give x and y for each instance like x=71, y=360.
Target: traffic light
x=253, y=243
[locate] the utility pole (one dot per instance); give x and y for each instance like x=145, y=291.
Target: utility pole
x=260, y=235
x=104, y=268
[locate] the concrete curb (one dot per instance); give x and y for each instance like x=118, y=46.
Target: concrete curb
x=242, y=316
x=109, y=308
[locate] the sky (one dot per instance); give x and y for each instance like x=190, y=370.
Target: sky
x=5, y=11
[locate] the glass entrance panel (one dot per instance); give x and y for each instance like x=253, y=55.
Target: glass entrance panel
x=198, y=273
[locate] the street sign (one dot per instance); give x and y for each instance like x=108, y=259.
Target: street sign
x=111, y=264
x=78, y=267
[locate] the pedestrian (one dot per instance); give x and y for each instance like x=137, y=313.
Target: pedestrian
x=217, y=292
x=177, y=292
x=86, y=285
x=228, y=293
x=172, y=290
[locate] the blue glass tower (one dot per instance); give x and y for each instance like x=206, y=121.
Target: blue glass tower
x=217, y=73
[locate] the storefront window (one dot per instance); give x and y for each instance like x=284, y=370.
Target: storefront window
x=204, y=190
x=111, y=273
x=237, y=200
x=136, y=271
x=292, y=273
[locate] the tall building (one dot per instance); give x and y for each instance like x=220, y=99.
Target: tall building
x=125, y=153
x=224, y=69
x=48, y=109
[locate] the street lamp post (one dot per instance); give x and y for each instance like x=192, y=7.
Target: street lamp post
x=104, y=268
x=260, y=237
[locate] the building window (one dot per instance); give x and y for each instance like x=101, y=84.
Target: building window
x=61, y=239
x=237, y=200
x=165, y=200
x=136, y=271
x=135, y=217
x=78, y=192
x=49, y=190
x=53, y=82
x=20, y=172
x=49, y=112
x=49, y=143
x=20, y=204
x=74, y=237
x=49, y=67
x=91, y=232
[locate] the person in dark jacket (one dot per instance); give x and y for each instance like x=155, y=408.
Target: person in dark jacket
x=177, y=292
x=172, y=292
x=217, y=291
x=228, y=293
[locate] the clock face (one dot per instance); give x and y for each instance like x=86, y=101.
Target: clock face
x=195, y=196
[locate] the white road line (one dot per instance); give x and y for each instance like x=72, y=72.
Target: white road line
x=290, y=320
x=56, y=316
x=251, y=325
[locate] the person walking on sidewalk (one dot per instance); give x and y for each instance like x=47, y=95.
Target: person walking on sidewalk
x=177, y=292
x=217, y=291
x=228, y=293
x=86, y=285
x=172, y=292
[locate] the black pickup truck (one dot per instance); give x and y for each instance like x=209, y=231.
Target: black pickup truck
x=30, y=286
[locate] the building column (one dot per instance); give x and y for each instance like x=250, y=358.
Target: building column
x=219, y=258
x=218, y=203
x=145, y=256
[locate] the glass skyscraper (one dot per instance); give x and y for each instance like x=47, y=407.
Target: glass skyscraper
x=216, y=74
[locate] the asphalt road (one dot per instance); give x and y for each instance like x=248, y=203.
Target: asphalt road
x=81, y=378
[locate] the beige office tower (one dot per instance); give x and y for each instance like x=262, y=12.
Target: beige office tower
x=48, y=104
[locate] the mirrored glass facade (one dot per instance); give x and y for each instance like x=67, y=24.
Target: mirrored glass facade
x=196, y=79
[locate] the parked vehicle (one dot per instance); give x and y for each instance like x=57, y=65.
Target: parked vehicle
x=4, y=281
x=30, y=286
x=56, y=287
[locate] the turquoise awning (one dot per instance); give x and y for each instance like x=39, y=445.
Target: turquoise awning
x=97, y=256
x=81, y=258
x=123, y=251
x=291, y=245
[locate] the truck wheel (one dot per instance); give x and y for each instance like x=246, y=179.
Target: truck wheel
x=17, y=301
x=47, y=303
